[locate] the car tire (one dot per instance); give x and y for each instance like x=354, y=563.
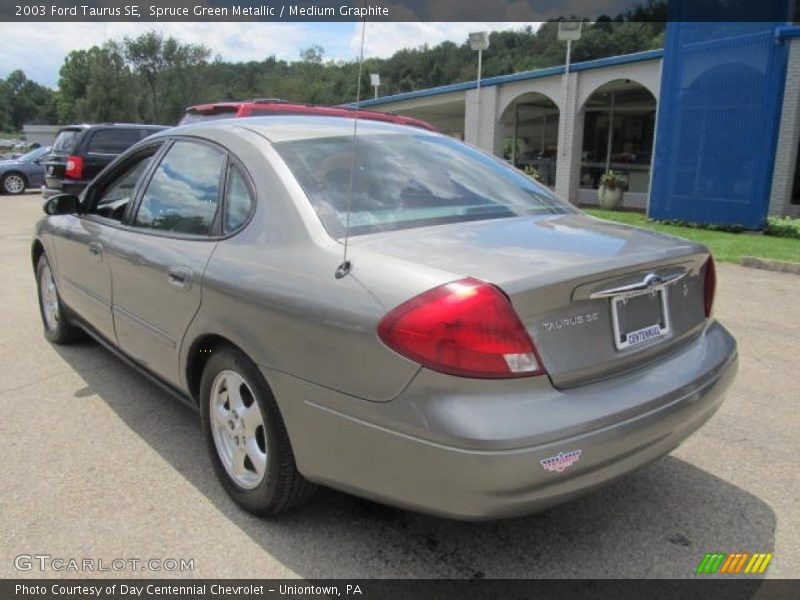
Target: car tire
x=246, y=436
x=13, y=183
x=57, y=327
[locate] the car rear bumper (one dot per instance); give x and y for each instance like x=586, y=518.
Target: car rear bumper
x=479, y=455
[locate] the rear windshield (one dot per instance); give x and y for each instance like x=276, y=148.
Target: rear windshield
x=194, y=116
x=66, y=140
x=405, y=181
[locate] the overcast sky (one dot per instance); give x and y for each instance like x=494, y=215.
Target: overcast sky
x=39, y=48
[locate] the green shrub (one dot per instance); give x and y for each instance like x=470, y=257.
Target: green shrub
x=708, y=226
x=533, y=172
x=783, y=227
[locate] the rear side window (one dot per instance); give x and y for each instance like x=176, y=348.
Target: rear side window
x=66, y=140
x=183, y=194
x=114, y=141
x=239, y=201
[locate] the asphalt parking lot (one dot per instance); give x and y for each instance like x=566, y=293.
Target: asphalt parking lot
x=100, y=463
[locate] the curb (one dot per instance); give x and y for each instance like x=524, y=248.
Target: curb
x=780, y=266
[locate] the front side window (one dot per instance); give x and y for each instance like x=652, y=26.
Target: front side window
x=391, y=181
x=183, y=194
x=114, y=199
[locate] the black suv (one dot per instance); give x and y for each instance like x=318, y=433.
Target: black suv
x=81, y=151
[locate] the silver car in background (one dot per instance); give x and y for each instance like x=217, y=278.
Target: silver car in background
x=486, y=350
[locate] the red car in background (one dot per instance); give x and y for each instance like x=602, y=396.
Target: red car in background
x=274, y=106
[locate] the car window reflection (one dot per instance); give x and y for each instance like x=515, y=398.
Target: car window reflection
x=183, y=194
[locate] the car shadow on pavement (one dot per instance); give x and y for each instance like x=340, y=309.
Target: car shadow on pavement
x=656, y=522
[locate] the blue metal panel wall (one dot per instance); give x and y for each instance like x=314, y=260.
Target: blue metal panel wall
x=721, y=97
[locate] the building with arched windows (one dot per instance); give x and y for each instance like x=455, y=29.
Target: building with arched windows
x=706, y=130
x=605, y=121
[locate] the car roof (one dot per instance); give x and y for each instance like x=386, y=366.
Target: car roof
x=291, y=128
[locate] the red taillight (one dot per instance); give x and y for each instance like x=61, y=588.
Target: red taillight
x=74, y=169
x=710, y=285
x=466, y=328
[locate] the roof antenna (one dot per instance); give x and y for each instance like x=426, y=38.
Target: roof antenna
x=344, y=268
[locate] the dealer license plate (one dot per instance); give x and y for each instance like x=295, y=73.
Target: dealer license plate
x=639, y=317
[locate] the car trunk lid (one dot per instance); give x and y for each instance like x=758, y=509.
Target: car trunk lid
x=558, y=272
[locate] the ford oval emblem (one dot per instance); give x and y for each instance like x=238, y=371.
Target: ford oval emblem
x=653, y=280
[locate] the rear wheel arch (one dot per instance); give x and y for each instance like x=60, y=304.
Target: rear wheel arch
x=277, y=486
x=37, y=249
x=200, y=351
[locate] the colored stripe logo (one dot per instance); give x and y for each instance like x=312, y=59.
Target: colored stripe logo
x=735, y=563
x=561, y=461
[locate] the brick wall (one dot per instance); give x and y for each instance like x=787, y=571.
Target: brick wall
x=485, y=131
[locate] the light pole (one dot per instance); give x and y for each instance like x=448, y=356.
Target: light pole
x=479, y=41
x=375, y=80
x=568, y=31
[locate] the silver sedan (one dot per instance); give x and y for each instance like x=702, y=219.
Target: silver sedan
x=389, y=312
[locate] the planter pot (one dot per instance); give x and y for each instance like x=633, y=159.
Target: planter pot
x=609, y=199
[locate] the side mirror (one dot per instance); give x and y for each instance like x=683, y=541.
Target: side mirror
x=62, y=204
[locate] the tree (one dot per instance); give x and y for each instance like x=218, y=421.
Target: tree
x=111, y=93
x=157, y=62
x=97, y=85
x=25, y=101
x=314, y=54
x=72, y=82
x=153, y=78
x=5, y=114
x=144, y=55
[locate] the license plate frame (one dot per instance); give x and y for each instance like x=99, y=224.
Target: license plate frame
x=659, y=329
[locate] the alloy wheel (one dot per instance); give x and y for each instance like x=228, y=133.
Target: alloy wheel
x=237, y=426
x=14, y=184
x=49, y=298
